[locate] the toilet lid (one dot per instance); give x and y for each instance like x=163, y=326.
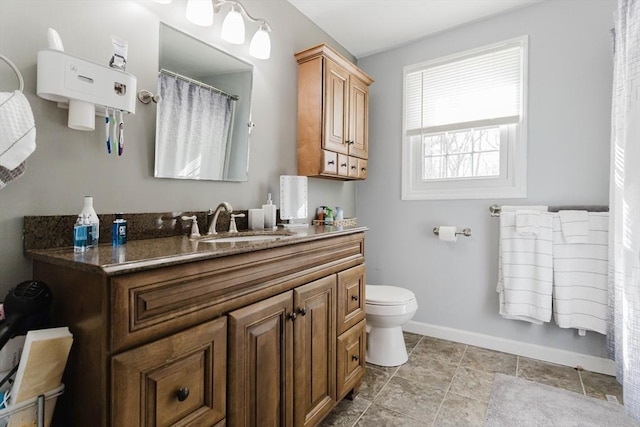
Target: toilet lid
x=388, y=295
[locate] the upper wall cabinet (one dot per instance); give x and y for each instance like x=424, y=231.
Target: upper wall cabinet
x=333, y=115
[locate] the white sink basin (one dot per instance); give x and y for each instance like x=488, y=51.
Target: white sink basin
x=235, y=239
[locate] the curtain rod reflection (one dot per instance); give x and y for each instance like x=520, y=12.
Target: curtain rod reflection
x=196, y=82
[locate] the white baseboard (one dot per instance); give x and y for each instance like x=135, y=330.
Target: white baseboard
x=534, y=351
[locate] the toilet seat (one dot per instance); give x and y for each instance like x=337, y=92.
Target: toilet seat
x=388, y=295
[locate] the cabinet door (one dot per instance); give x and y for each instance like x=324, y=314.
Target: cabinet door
x=358, y=118
x=261, y=363
x=336, y=92
x=314, y=350
x=178, y=380
x=351, y=359
x=351, y=298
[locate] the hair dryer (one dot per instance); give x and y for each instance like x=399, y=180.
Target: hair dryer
x=26, y=307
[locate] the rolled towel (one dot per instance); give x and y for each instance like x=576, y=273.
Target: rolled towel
x=17, y=129
x=575, y=226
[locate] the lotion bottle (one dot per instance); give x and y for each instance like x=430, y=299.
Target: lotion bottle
x=80, y=235
x=93, y=220
x=269, y=214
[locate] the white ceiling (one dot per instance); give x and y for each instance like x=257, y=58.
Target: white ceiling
x=365, y=27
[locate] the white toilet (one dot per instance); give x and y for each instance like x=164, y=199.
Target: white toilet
x=387, y=309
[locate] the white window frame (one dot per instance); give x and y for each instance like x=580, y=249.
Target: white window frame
x=511, y=184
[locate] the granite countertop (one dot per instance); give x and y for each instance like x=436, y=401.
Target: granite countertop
x=139, y=255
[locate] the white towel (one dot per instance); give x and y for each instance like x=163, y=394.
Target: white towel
x=525, y=270
x=17, y=129
x=575, y=226
x=580, y=276
x=527, y=222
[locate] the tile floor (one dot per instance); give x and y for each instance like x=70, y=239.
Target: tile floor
x=445, y=383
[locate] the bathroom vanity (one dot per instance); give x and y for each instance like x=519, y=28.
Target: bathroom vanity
x=173, y=331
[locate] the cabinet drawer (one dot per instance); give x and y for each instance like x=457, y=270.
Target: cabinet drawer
x=343, y=165
x=351, y=297
x=180, y=379
x=362, y=169
x=353, y=167
x=351, y=358
x=329, y=162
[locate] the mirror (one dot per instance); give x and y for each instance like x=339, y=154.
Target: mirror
x=293, y=197
x=203, y=118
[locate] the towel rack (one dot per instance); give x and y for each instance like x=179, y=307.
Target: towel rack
x=495, y=210
x=15, y=70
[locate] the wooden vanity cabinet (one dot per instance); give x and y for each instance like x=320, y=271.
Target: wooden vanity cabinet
x=333, y=115
x=261, y=338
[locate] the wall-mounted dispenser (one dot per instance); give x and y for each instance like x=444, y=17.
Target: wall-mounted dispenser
x=86, y=88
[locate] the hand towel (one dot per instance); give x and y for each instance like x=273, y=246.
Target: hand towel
x=580, y=276
x=575, y=226
x=527, y=222
x=17, y=129
x=7, y=175
x=525, y=270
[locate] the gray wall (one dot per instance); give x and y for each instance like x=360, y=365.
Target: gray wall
x=570, y=75
x=69, y=164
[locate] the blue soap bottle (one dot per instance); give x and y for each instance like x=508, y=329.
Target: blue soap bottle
x=80, y=235
x=119, y=230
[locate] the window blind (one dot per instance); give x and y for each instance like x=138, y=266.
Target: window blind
x=474, y=90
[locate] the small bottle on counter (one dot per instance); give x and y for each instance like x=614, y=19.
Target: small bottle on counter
x=87, y=209
x=119, y=230
x=80, y=235
x=269, y=214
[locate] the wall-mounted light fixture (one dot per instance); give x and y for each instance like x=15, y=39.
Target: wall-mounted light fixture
x=201, y=12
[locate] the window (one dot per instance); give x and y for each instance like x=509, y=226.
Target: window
x=464, y=125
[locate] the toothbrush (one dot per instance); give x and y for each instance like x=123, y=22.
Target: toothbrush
x=114, y=139
x=121, y=134
x=106, y=131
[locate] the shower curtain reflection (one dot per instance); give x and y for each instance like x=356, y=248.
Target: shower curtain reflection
x=200, y=119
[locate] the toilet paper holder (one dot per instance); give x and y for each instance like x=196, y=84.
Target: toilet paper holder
x=465, y=232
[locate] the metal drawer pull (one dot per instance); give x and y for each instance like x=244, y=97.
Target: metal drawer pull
x=354, y=297
x=292, y=316
x=302, y=311
x=331, y=162
x=182, y=394
x=355, y=358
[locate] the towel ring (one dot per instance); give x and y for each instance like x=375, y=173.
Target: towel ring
x=15, y=70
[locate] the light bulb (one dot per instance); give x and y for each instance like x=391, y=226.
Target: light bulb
x=200, y=12
x=233, y=27
x=260, y=46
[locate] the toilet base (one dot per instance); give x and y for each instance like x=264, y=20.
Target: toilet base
x=385, y=346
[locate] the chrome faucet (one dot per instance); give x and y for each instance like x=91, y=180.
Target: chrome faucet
x=212, y=226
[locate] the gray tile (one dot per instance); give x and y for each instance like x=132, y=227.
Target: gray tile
x=411, y=398
x=411, y=340
x=377, y=416
x=461, y=411
x=599, y=385
x=550, y=374
x=435, y=348
x=346, y=412
x=485, y=360
x=428, y=371
x=473, y=384
x=374, y=380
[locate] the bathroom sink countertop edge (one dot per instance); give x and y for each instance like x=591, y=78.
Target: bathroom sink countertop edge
x=139, y=255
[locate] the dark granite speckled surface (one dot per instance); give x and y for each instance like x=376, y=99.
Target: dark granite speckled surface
x=138, y=255
x=56, y=231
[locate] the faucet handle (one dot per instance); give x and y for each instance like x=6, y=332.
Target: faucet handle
x=195, y=232
x=232, y=223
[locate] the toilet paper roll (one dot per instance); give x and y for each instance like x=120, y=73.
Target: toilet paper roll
x=256, y=219
x=447, y=233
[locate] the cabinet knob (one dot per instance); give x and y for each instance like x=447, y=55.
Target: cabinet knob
x=331, y=162
x=354, y=297
x=292, y=316
x=355, y=358
x=351, y=142
x=343, y=165
x=364, y=169
x=302, y=311
x=182, y=394
x=354, y=167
